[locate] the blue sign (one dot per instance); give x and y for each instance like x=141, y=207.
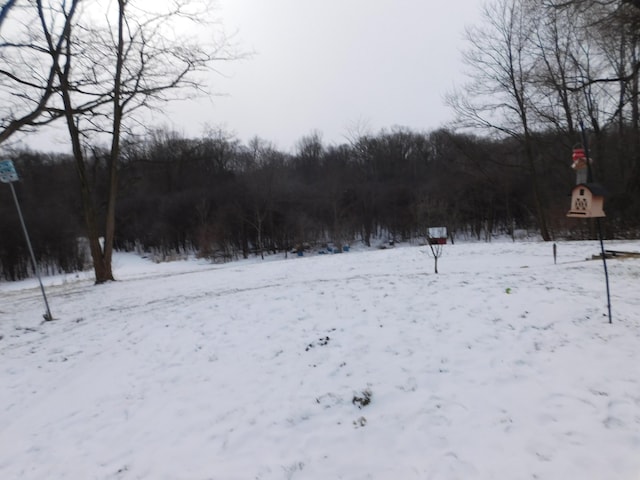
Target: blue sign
x=8, y=172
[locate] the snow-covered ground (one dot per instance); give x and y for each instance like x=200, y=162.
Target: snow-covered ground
x=364, y=365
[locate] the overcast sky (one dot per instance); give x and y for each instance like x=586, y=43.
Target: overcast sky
x=334, y=66
x=338, y=67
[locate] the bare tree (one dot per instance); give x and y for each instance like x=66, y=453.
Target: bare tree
x=261, y=177
x=556, y=39
x=120, y=59
x=499, y=95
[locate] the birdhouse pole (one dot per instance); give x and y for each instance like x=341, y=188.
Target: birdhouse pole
x=585, y=144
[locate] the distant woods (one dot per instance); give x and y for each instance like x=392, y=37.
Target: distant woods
x=537, y=70
x=221, y=199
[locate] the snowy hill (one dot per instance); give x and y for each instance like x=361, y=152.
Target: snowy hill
x=363, y=365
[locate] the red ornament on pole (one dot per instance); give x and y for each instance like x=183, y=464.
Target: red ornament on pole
x=579, y=158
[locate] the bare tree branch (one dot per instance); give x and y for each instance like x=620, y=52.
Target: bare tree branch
x=44, y=91
x=4, y=11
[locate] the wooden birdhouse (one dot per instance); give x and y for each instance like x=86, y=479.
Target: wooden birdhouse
x=587, y=201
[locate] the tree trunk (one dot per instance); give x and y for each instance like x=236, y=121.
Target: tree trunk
x=101, y=269
x=535, y=185
x=114, y=154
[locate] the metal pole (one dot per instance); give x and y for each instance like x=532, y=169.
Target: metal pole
x=586, y=152
x=47, y=316
x=604, y=257
x=606, y=273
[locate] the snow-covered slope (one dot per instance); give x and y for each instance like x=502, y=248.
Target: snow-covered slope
x=363, y=365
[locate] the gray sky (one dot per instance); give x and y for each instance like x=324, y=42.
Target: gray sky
x=334, y=66
x=338, y=67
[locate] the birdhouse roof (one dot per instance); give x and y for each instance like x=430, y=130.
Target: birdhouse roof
x=594, y=188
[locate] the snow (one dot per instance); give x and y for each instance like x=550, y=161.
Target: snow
x=503, y=365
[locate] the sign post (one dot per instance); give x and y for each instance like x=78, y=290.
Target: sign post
x=9, y=175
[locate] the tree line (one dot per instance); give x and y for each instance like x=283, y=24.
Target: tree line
x=221, y=199
x=543, y=75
